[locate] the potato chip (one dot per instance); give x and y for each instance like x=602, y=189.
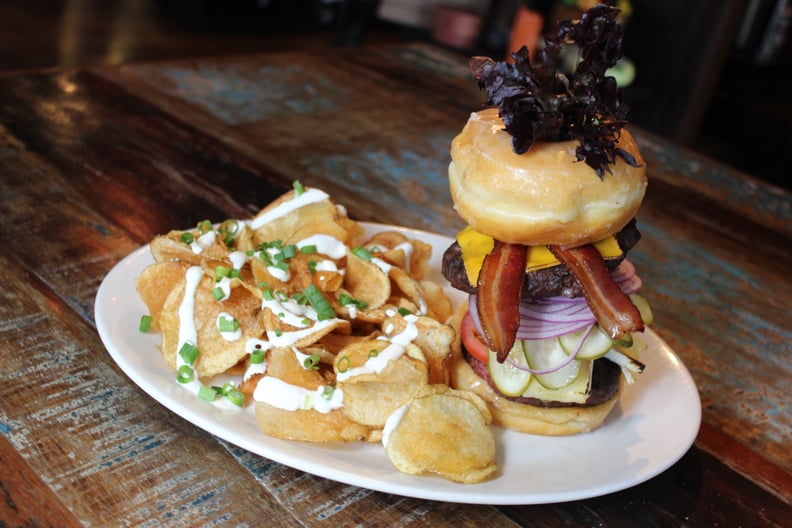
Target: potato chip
x=307, y=424
x=443, y=434
x=366, y=282
x=155, y=283
x=369, y=398
x=284, y=226
x=435, y=340
x=438, y=305
x=409, y=254
x=216, y=353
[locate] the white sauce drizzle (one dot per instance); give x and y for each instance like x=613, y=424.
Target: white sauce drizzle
x=308, y=197
x=325, y=244
x=397, y=347
x=286, y=396
x=392, y=422
x=203, y=242
x=382, y=265
x=407, y=248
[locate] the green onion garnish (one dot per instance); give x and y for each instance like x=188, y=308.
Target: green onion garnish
x=373, y=353
x=189, y=353
x=234, y=273
x=221, y=272
x=308, y=249
x=404, y=312
x=311, y=362
x=235, y=397
x=315, y=297
x=204, y=226
x=298, y=187
x=218, y=294
x=187, y=237
x=257, y=357
x=145, y=324
x=346, y=299
x=363, y=253
x=207, y=394
x=289, y=251
x=312, y=267
x=228, y=324
x=184, y=374
x=327, y=392
x=267, y=293
x=343, y=364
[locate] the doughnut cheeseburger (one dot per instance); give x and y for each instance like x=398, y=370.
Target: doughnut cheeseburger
x=549, y=182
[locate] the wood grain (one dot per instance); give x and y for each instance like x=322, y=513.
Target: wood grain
x=96, y=161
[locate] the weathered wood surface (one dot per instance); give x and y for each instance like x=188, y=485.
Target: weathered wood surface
x=94, y=162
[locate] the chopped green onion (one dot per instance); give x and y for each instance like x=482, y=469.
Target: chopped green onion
x=226, y=324
x=235, y=397
x=404, y=311
x=281, y=295
x=218, y=294
x=315, y=297
x=189, y=353
x=311, y=362
x=281, y=266
x=327, y=392
x=308, y=249
x=306, y=321
x=221, y=272
x=299, y=298
x=298, y=187
x=373, y=353
x=343, y=364
x=257, y=357
x=267, y=293
x=207, y=394
x=278, y=332
x=187, y=237
x=204, y=226
x=234, y=273
x=227, y=387
x=289, y=251
x=363, y=253
x=346, y=299
x=184, y=374
x=145, y=324
x=307, y=403
x=312, y=266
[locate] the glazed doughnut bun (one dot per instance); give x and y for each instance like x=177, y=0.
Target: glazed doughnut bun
x=544, y=196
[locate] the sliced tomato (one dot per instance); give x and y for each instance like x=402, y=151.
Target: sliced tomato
x=470, y=338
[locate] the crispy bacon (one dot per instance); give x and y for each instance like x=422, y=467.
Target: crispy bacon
x=498, y=299
x=614, y=310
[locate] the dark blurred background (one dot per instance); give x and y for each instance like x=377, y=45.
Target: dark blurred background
x=713, y=75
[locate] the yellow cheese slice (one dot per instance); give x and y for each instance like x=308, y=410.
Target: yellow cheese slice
x=475, y=246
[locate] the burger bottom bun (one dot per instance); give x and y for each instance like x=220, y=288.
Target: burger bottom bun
x=549, y=421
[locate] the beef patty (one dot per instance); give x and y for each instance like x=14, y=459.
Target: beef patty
x=549, y=282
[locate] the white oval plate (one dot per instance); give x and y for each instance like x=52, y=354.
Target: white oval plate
x=654, y=424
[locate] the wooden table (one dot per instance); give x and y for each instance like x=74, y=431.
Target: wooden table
x=96, y=161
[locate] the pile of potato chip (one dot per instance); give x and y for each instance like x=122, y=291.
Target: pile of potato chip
x=330, y=336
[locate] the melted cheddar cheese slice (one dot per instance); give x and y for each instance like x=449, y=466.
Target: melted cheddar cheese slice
x=475, y=246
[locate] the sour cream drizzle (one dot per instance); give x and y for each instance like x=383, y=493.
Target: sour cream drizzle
x=252, y=345
x=307, y=197
x=288, y=397
x=325, y=244
x=392, y=422
x=396, y=348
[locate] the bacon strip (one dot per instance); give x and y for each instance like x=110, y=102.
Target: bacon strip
x=498, y=296
x=614, y=310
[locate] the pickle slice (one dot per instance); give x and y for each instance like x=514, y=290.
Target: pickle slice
x=596, y=344
x=510, y=380
x=544, y=354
